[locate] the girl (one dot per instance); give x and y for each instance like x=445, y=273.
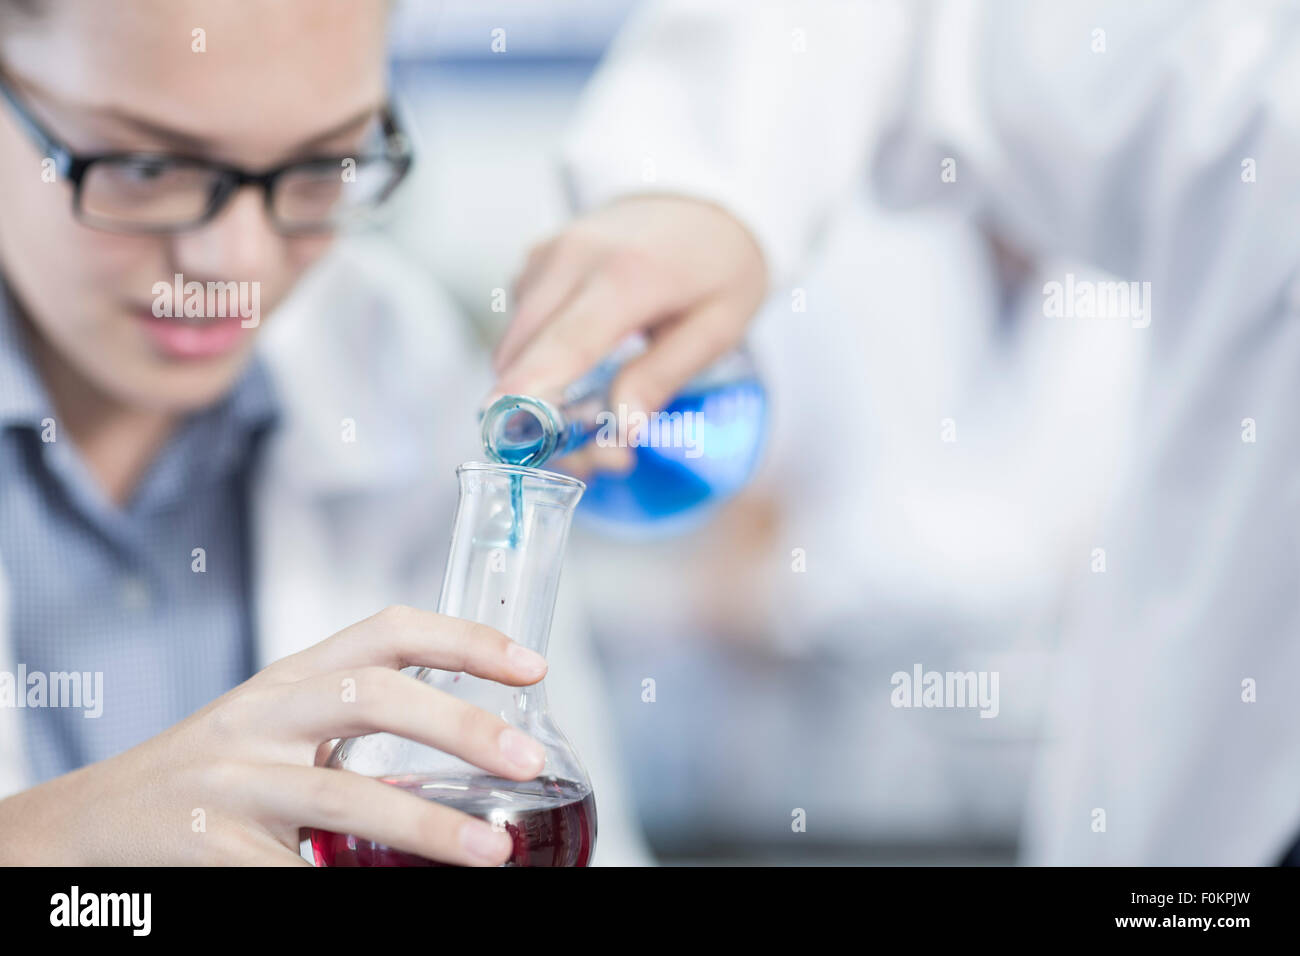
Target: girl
x=190, y=507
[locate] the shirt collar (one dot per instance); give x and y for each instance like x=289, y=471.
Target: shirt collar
x=211, y=443
x=252, y=402
x=23, y=399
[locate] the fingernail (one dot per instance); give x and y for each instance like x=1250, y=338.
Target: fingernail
x=524, y=660
x=484, y=843
x=521, y=750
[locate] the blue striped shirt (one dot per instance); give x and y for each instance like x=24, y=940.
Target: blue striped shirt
x=156, y=596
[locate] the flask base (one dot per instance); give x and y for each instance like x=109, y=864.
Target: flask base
x=552, y=822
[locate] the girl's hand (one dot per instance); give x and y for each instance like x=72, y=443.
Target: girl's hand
x=246, y=763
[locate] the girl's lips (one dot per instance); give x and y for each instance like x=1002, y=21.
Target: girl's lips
x=180, y=340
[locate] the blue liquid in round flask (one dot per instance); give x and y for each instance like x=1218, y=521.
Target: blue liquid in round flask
x=688, y=458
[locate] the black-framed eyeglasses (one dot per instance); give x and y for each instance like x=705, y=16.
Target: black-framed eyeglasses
x=159, y=193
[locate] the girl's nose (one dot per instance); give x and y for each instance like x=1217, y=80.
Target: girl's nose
x=240, y=244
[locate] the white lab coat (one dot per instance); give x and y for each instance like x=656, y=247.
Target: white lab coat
x=1155, y=141
x=344, y=528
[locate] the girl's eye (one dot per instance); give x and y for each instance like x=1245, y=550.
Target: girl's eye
x=146, y=171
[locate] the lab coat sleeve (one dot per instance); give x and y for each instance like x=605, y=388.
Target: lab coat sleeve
x=1149, y=139
x=1136, y=137
x=763, y=108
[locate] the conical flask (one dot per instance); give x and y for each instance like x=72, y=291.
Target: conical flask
x=688, y=459
x=504, y=570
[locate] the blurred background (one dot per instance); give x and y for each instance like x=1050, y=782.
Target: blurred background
x=772, y=684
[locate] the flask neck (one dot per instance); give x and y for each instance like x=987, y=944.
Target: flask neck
x=508, y=543
x=529, y=430
x=524, y=430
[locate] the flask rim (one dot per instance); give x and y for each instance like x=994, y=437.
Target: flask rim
x=544, y=414
x=554, y=478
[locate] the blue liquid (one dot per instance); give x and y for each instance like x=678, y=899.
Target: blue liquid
x=522, y=439
x=522, y=442
x=672, y=488
x=516, y=508
x=691, y=465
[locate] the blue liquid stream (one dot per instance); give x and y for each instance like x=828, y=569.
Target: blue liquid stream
x=516, y=509
x=677, y=484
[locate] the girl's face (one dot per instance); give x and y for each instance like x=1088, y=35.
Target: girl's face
x=262, y=84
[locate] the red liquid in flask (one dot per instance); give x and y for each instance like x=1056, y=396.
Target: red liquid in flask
x=552, y=822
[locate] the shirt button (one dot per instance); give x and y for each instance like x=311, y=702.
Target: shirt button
x=134, y=593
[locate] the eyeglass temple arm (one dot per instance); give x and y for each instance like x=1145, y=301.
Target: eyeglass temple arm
x=50, y=146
